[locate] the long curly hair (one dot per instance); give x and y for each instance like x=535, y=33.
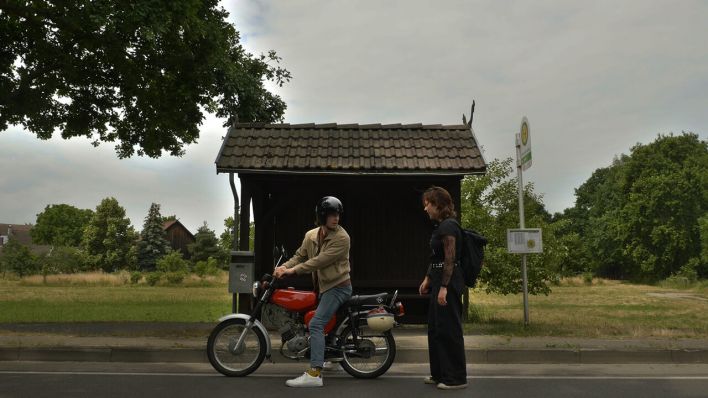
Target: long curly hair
x=441, y=199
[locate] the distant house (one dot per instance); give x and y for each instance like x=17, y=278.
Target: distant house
x=20, y=232
x=178, y=236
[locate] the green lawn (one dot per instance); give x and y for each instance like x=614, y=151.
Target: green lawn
x=604, y=309
x=21, y=303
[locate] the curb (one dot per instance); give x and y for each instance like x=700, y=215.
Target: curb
x=475, y=356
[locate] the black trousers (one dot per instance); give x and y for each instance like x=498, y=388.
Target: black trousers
x=446, y=345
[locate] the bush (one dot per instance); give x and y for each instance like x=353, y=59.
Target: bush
x=208, y=267
x=19, y=259
x=173, y=262
x=135, y=277
x=175, y=278
x=587, y=278
x=65, y=260
x=153, y=277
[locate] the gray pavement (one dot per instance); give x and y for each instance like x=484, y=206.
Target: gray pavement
x=186, y=343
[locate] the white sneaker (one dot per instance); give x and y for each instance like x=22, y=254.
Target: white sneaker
x=305, y=381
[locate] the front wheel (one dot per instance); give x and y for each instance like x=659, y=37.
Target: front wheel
x=230, y=359
x=373, y=356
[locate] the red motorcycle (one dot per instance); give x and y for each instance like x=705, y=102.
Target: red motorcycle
x=358, y=336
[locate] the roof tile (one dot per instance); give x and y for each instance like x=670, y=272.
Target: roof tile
x=369, y=148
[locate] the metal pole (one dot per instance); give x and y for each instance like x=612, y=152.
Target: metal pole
x=524, y=274
x=234, y=243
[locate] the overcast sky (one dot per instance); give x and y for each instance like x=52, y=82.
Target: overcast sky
x=593, y=78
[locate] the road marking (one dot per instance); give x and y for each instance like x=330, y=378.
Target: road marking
x=510, y=377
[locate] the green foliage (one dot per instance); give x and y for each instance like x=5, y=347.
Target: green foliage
x=17, y=258
x=702, y=262
x=226, y=239
x=109, y=236
x=206, y=245
x=140, y=74
x=153, y=278
x=587, y=278
x=208, y=267
x=640, y=217
x=172, y=262
x=490, y=206
x=60, y=225
x=153, y=243
x=135, y=277
x=175, y=278
x=65, y=260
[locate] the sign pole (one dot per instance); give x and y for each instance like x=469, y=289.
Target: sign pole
x=521, y=223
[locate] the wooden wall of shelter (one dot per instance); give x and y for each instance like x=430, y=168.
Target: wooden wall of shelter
x=383, y=211
x=384, y=217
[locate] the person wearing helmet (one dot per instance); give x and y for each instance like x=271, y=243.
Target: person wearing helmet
x=325, y=254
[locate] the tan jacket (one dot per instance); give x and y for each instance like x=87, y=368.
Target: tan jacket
x=332, y=262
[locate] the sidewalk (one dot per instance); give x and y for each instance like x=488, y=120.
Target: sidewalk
x=153, y=342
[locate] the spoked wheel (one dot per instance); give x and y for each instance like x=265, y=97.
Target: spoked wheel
x=230, y=359
x=374, y=355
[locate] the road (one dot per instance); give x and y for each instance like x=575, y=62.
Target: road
x=82, y=379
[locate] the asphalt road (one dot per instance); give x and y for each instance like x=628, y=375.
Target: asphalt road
x=45, y=379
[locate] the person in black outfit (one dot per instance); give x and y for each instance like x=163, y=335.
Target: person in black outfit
x=444, y=281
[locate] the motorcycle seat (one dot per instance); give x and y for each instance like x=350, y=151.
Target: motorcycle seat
x=373, y=299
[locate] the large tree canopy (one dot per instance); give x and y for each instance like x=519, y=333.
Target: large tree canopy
x=60, y=225
x=140, y=74
x=640, y=218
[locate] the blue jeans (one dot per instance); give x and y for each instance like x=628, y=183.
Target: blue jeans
x=330, y=301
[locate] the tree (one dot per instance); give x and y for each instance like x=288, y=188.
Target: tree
x=153, y=244
x=206, y=245
x=490, y=206
x=640, y=217
x=109, y=236
x=60, y=225
x=139, y=74
x=17, y=258
x=226, y=239
x=666, y=188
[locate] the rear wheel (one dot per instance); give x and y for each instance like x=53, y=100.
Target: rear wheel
x=226, y=357
x=373, y=356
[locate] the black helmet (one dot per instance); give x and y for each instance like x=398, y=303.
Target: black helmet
x=326, y=206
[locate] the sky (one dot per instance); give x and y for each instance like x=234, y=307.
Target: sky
x=593, y=79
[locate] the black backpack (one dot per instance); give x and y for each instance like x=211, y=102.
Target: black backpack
x=472, y=255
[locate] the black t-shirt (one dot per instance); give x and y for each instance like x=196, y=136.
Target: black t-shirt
x=446, y=227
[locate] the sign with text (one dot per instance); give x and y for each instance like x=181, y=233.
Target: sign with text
x=523, y=241
x=525, y=138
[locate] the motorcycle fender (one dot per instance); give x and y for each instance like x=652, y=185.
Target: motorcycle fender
x=256, y=323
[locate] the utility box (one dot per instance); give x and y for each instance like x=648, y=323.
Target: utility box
x=241, y=271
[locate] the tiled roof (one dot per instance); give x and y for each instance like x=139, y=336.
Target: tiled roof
x=350, y=148
x=21, y=232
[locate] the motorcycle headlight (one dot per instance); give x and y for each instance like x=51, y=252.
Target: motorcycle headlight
x=256, y=288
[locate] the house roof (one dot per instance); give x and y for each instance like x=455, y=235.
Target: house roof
x=19, y=232
x=172, y=223
x=413, y=149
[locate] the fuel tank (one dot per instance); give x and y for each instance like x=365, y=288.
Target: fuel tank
x=294, y=300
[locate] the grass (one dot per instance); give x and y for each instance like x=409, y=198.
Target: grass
x=575, y=308
x=603, y=309
x=97, y=297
